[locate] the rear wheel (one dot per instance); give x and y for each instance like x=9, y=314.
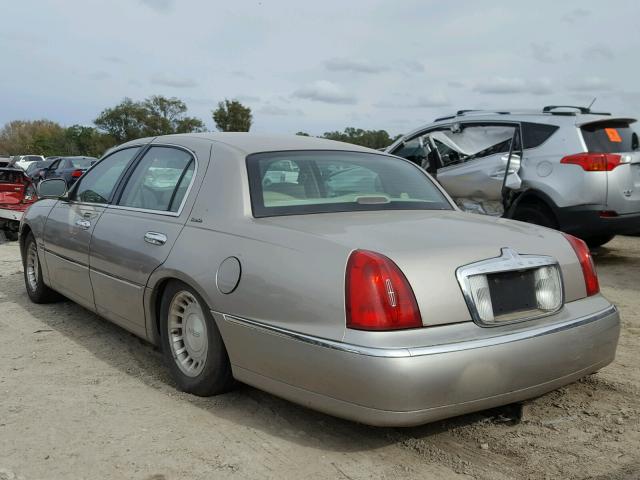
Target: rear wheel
x=191, y=343
x=536, y=213
x=598, y=240
x=36, y=289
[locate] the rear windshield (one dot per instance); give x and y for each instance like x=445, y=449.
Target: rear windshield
x=610, y=137
x=82, y=162
x=301, y=182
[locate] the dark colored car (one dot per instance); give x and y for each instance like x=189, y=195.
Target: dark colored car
x=69, y=168
x=37, y=169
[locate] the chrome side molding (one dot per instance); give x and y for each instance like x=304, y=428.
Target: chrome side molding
x=499, y=339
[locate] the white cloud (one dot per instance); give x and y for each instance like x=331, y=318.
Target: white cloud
x=575, y=15
x=325, y=91
x=512, y=85
x=598, y=51
x=590, y=84
x=542, y=52
x=429, y=101
x=158, y=5
x=353, y=65
x=270, y=109
x=166, y=81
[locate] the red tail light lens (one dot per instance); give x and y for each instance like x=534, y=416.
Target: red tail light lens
x=76, y=173
x=378, y=295
x=586, y=262
x=594, y=162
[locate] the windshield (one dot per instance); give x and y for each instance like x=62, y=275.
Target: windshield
x=82, y=163
x=301, y=182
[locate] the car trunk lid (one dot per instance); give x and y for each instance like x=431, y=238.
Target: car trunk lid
x=429, y=246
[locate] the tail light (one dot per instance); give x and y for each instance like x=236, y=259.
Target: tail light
x=586, y=262
x=594, y=162
x=76, y=173
x=378, y=295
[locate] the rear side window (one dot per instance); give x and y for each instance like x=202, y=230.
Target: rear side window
x=303, y=182
x=610, y=137
x=160, y=181
x=535, y=134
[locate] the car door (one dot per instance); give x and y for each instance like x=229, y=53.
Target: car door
x=474, y=158
x=70, y=225
x=50, y=172
x=136, y=234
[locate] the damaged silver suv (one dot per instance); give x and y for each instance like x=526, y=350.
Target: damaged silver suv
x=563, y=167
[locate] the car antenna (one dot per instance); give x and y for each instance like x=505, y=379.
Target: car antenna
x=592, y=102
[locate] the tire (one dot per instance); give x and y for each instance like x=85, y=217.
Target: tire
x=598, y=240
x=10, y=235
x=191, y=343
x=537, y=214
x=36, y=289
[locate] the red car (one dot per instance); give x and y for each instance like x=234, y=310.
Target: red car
x=17, y=192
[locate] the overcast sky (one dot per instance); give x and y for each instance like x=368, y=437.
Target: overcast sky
x=317, y=66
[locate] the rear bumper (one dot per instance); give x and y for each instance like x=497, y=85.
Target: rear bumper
x=412, y=386
x=585, y=221
x=9, y=214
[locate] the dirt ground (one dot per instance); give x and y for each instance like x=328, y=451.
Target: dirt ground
x=82, y=398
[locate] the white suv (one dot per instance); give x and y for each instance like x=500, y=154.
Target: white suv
x=563, y=167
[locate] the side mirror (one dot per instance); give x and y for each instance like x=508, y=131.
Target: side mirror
x=52, y=188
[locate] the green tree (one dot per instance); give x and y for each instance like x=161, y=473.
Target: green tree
x=232, y=116
x=366, y=138
x=167, y=115
x=38, y=137
x=82, y=140
x=156, y=115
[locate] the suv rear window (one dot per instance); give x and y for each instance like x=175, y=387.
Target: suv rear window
x=610, y=137
x=303, y=182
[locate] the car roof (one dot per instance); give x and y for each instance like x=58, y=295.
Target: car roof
x=559, y=118
x=249, y=143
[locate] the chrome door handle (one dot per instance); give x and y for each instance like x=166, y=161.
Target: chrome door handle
x=155, y=238
x=84, y=224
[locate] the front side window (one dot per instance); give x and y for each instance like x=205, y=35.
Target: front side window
x=302, y=182
x=160, y=181
x=98, y=184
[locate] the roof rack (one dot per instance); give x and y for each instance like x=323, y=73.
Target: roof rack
x=584, y=110
x=461, y=113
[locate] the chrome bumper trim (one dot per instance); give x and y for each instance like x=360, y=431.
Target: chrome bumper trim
x=428, y=350
x=10, y=214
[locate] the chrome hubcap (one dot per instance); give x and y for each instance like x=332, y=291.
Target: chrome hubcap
x=188, y=334
x=32, y=267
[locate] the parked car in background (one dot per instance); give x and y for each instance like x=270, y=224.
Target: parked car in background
x=568, y=168
x=350, y=283
x=5, y=161
x=68, y=168
x=17, y=192
x=23, y=161
x=37, y=170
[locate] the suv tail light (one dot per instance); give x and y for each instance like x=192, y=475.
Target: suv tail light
x=378, y=295
x=586, y=262
x=76, y=173
x=594, y=162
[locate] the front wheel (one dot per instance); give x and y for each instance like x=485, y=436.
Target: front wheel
x=36, y=289
x=191, y=343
